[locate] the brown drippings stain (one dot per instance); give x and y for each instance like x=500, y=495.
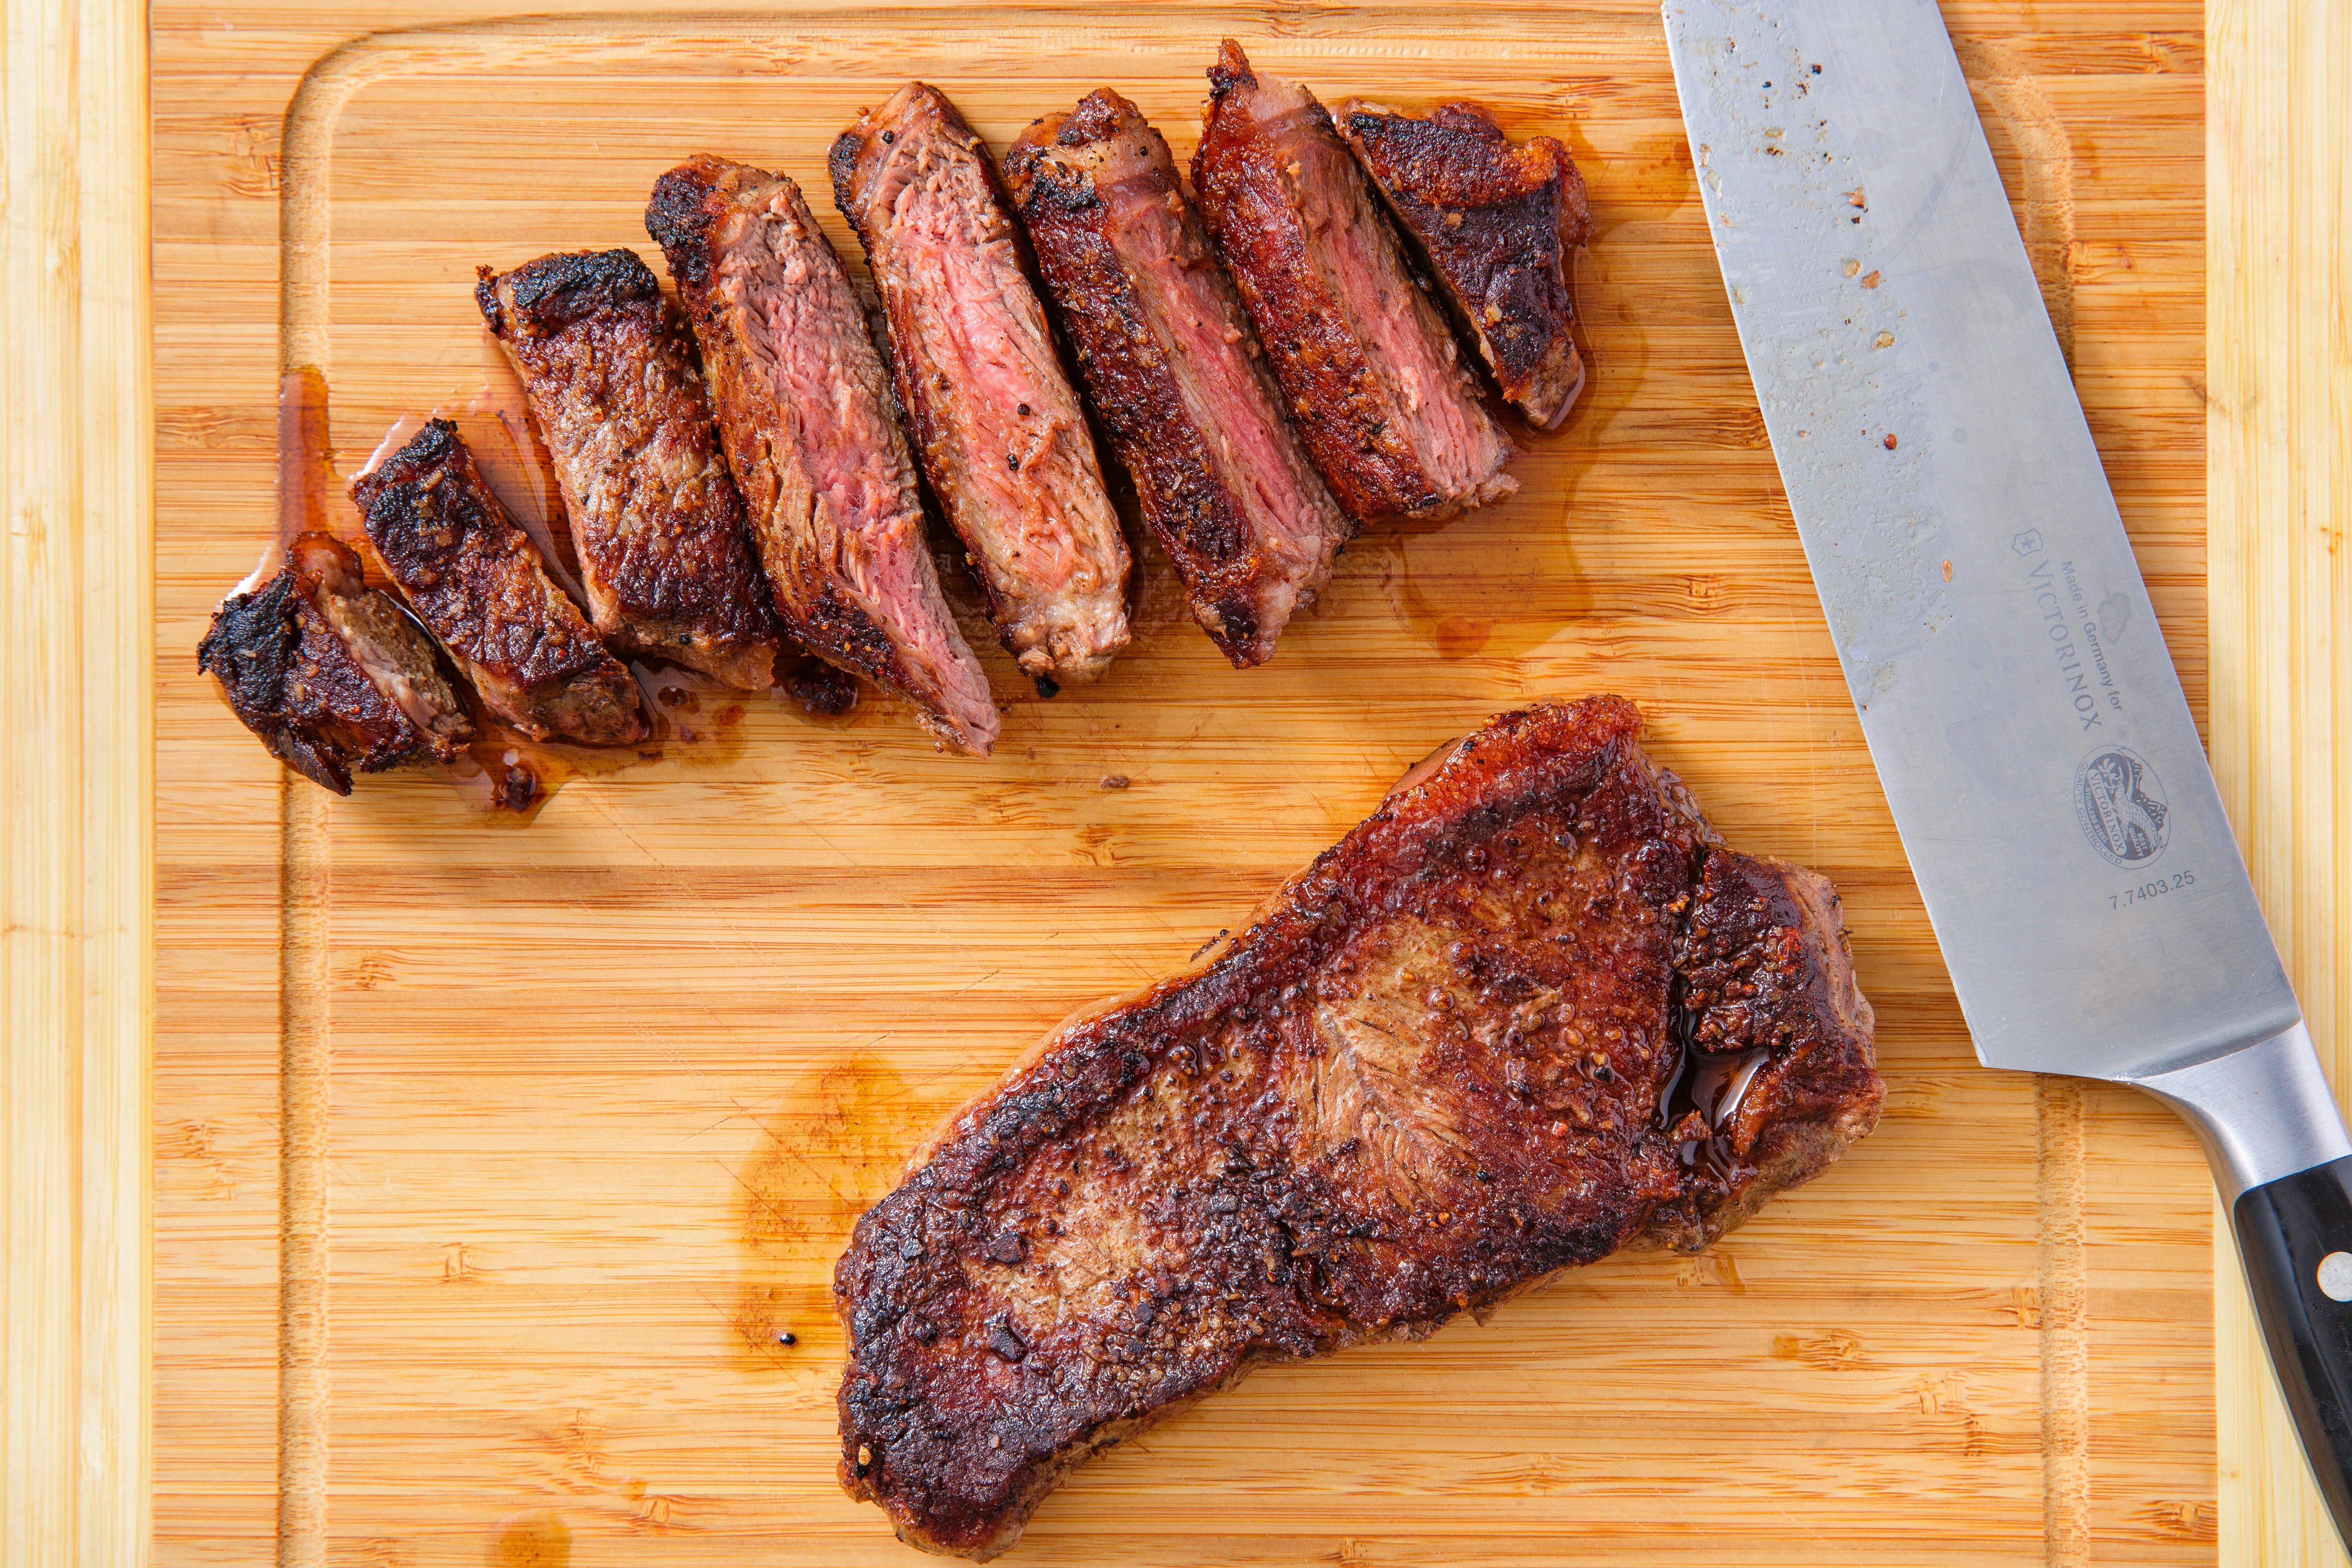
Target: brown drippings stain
x=531, y=1541
x=310, y=494
x=1454, y=627
x=1459, y=636
x=1660, y=173
x=839, y=1138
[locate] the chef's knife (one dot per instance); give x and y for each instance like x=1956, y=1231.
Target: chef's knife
x=2012, y=683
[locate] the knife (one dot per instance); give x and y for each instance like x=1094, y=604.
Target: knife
x=2013, y=683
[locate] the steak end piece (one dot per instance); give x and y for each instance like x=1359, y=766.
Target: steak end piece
x=476, y=580
x=804, y=418
x=610, y=375
x=328, y=673
x=1443, y=1062
x=1497, y=222
x=1173, y=373
x=995, y=421
x=1393, y=418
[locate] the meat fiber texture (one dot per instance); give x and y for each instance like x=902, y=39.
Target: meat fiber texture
x=328, y=673
x=1498, y=223
x=995, y=421
x=1174, y=374
x=1395, y=420
x=1445, y=1061
x=610, y=378
x=804, y=418
x=477, y=582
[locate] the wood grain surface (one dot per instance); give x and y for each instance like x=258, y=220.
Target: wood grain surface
x=2279, y=184
x=75, y=893
x=491, y=1161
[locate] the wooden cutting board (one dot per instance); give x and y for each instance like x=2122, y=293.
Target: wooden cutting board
x=496, y=1162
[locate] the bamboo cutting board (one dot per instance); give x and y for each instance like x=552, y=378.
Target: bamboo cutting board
x=496, y=1162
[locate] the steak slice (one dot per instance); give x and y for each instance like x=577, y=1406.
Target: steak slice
x=610, y=374
x=1391, y=414
x=994, y=419
x=804, y=417
x=329, y=672
x=1443, y=1062
x=1495, y=222
x=1173, y=373
x=476, y=580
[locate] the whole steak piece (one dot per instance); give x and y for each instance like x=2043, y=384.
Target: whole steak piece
x=610, y=374
x=1391, y=416
x=328, y=673
x=479, y=582
x=1174, y=374
x=1497, y=222
x=996, y=420
x=1527, y=1014
x=804, y=418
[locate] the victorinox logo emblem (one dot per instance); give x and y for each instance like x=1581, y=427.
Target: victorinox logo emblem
x=2121, y=807
x=2027, y=542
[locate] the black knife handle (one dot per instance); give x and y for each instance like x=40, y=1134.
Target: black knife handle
x=2295, y=1235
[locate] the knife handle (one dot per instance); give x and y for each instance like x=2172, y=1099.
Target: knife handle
x=2282, y=1158
x=2295, y=1235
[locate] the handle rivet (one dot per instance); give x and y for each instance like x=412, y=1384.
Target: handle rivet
x=2335, y=1276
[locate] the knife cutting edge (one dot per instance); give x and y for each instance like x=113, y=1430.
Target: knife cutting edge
x=2013, y=685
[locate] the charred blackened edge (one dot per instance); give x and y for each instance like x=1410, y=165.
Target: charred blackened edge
x=684, y=206
x=549, y=294
x=251, y=646
x=431, y=448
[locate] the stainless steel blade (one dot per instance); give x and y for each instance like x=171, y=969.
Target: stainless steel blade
x=2015, y=689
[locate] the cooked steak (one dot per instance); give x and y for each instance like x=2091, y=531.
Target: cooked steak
x=329, y=672
x=476, y=580
x=804, y=417
x=995, y=422
x=1390, y=413
x=1173, y=373
x=1445, y=1060
x=1495, y=222
x=610, y=374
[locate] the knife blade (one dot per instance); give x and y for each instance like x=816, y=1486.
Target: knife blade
x=2013, y=685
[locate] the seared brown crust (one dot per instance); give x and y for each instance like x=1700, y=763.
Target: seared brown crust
x=330, y=675
x=994, y=419
x=1393, y=417
x=805, y=417
x=477, y=581
x=1496, y=222
x=1431, y=1072
x=610, y=378
x=1173, y=373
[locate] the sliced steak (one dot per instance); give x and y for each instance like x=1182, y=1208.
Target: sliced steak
x=1497, y=222
x=995, y=421
x=1443, y=1062
x=476, y=580
x=1390, y=413
x=610, y=378
x=1174, y=375
x=329, y=672
x=804, y=417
